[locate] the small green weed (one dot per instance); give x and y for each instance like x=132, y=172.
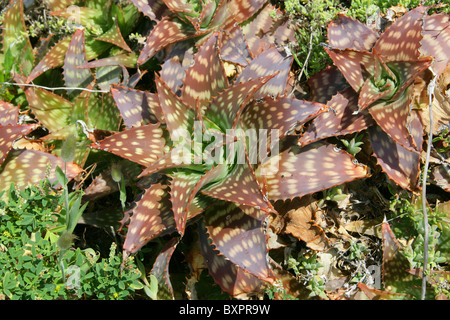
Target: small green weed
x=31, y=260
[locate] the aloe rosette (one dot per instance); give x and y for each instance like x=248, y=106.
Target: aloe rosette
x=199, y=141
x=384, y=73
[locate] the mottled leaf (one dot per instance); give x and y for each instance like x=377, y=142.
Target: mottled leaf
x=325, y=84
x=347, y=33
x=225, y=108
x=270, y=62
x=126, y=59
x=143, y=145
x=9, y=113
x=395, y=264
x=151, y=216
x=50, y=109
x=13, y=26
x=400, y=164
x=76, y=56
x=353, y=64
x=316, y=167
x=234, y=47
x=206, y=78
x=231, y=279
x=136, y=107
x=239, y=237
x=281, y=113
x=392, y=117
x=243, y=10
x=114, y=36
x=436, y=41
x=166, y=32
x=181, y=188
x=240, y=186
x=401, y=41
x=161, y=268
x=24, y=167
x=54, y=58
x=178, y=116
x=8, y=134
x=342, y=118
x=153, y=9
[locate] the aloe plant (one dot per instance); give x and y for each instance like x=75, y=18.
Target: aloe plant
x=384, y=74
x=200, y=143
x=178, y=21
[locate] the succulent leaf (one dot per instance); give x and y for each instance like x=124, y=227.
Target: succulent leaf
x=76, y=56
x=8, y=134
x=347, y=33
x=24, y=167
x=342, y=118
x=231, y=278
x=136, y=107
x=239, y=236
x=152, y=215
x=143, y=145
x=9, y=113
x=401, y=41
x=322, y=167
x=206, y=78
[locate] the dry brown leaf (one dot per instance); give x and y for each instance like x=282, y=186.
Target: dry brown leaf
x=440, y=105
x=367, y=227
x=298, y=218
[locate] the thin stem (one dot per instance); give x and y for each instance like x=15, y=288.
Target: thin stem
x=51, y=88
x=430, y=91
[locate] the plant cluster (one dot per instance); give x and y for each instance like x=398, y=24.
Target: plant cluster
x=214, y=150
x=33, y=266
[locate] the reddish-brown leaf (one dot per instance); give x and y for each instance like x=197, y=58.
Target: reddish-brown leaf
x=400, y=164
x=270, y=62
x=342, y=118
x=152, y=215
x=281, y=113
x=436, y=41
x=392, y=117
x=353, y=64
x=239, y=237
x=136, y=107
x=166, y=32
x=8, y=134
x=347, y=33
x=24, y=167
x=316, y=167
x=234, y=47
x=401, y=41
x=154, y=9
x=240, y=186
x=206, y=78
x=179, y=117
x=231, y=279
x=395, y=264
x=143, y=145
x=325, y=84
x=161, y=266
x=225, y=108
x=9, y=113
x=181, y=189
